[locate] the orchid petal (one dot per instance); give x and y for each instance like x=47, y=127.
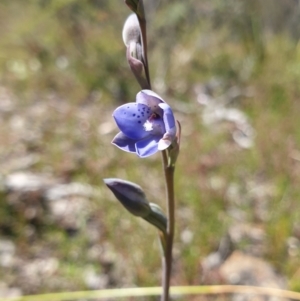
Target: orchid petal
x=130, y=119
x=147, y=146
x=124, y=143
x=150, y=93
x=168, y=116
x=163, y=144
x=150, y=99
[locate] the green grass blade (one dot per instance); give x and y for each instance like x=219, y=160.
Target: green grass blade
x=152, y=291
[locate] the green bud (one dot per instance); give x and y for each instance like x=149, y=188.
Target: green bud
x=157, y=218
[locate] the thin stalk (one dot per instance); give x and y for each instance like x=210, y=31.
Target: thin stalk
x=144, y=47
x=169, y=179
x=167, y=259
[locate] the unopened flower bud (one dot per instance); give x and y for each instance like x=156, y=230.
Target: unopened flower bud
x=131, y=196
x=131, y=30
x=135, y=51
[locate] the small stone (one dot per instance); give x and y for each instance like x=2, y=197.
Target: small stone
x=25, y=181
x=186, y=236
x=69, y=212
x=9, y=292
x=242, y=269
x=93, y=280
x=64, y=190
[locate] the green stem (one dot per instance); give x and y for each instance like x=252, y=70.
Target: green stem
x=167, y=259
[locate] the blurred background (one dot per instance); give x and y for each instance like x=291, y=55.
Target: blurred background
x=229, y=69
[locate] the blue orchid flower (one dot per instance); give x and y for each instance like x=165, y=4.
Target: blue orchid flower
x=147, y=125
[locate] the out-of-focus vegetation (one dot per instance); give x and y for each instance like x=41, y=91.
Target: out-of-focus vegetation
x=63, y=67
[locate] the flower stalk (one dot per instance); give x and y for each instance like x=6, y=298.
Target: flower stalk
x=167, y=259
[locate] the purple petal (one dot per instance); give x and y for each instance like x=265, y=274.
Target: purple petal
x=164, y=143
x=150, y=93
x=147, y=147
x=169, y=119
x=130, y=119
x=124, y=143
x=150, y=99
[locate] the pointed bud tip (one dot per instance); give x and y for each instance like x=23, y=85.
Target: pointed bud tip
x=110, y=181
x=106, y=181
x=130, y=195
